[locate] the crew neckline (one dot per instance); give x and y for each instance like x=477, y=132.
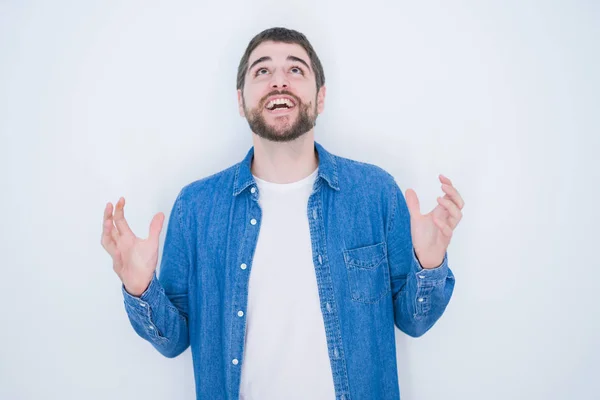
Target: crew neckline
x=286, y=186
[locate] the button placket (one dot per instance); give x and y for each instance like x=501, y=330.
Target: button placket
x=240, y=289
x=324, y=280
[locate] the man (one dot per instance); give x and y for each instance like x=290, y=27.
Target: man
x=287, y=272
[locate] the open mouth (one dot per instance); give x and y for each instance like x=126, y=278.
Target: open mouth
x=280, y=105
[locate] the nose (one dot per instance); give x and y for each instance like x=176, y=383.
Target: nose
x=279, y=80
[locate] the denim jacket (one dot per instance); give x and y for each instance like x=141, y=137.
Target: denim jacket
x=369, y=279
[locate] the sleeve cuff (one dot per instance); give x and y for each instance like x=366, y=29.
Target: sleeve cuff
x=439, y=273
x=148, y=298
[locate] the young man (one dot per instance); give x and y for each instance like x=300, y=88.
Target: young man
x=287, y=272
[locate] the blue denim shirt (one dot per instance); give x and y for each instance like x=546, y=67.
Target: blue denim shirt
x=369, y=279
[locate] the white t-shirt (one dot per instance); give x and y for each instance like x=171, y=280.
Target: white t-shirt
x=285, y=354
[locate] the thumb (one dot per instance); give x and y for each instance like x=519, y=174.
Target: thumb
x=412, y=201
x=156, y=226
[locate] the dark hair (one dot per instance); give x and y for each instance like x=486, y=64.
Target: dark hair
x=286, y=36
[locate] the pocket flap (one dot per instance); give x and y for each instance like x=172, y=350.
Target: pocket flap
x=367, y=256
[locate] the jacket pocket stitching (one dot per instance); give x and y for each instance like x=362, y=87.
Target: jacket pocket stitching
x=357, y=264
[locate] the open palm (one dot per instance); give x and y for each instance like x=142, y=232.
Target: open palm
x=431, y=233
x=134, y=259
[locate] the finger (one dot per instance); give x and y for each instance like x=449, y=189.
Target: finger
x=108, y=211
x=445, y=179
x=446, y=230
x=412, y=202
x=119, y=218
x=455, y=213
x=110, y=227
x=440, y=212
x=156, y=226
x=454, y=195
x=115, y=234
x=117, y=261
x=447, y=183
x=107, y=239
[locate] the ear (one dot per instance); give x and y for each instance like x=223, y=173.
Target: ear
x=241, y=103
x=321, y=99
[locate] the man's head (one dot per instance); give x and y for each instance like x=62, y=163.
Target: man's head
x=281, y=85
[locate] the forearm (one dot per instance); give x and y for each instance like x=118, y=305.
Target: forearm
x=156, y=319
x=423, y=298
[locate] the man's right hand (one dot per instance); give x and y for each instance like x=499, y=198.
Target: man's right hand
x=134, y=259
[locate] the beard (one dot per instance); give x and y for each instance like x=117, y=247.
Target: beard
x=286, y=132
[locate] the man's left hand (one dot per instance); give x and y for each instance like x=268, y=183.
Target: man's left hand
x=431, y=233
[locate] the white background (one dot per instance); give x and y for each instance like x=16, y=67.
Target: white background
x=106, y=99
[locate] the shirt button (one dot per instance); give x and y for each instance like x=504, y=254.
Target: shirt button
x=420, y=299
x=421, y=276
x=253, y=221
x=314, y=213
x=150, y=326
x=253, y=189
x=342, y=397
x=240, y=313
x=320, y=259
x=234, y=361
x=243, y=266
x=335, y=352
x=142, y=304
x=328, y=306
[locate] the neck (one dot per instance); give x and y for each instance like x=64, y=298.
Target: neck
x=284, y=162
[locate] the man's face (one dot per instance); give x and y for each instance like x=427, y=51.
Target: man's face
x=279, y=98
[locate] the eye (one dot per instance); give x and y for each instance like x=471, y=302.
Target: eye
x=297, y=70
x=258, y=72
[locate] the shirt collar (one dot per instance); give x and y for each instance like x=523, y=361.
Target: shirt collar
x=327, y=170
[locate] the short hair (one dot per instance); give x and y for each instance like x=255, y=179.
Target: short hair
x=283, y=35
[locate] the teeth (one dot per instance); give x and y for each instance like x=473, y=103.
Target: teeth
x=274, y=102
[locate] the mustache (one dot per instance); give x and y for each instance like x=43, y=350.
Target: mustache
x=279, y=92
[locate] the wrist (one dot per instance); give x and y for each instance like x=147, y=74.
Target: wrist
x=428, y=263
x=136, y=290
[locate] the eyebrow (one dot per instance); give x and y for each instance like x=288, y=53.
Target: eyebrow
x=289, y=58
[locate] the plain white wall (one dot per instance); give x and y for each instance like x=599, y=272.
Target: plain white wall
x=106, y=99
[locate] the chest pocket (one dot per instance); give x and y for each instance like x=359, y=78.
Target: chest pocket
x=368, y=272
